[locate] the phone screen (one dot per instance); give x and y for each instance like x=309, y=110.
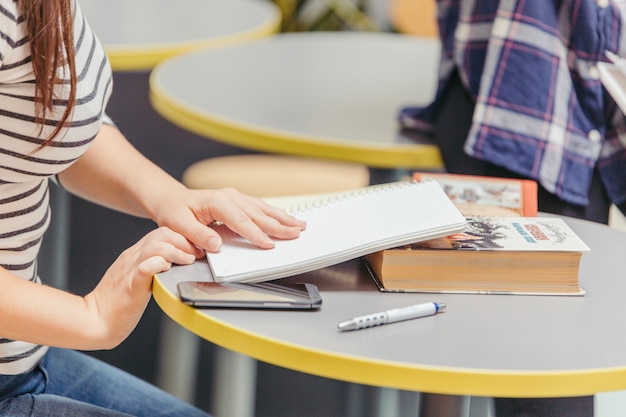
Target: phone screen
x=260, y=295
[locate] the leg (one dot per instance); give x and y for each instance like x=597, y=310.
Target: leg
x=44, y=405
x=82, y=378
x=24, y=395
x=458, y=106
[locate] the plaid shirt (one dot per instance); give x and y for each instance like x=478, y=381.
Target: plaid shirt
x=541, y=111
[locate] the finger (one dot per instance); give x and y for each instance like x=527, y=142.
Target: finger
x=275, y=229
x=242, y=223
x=229, y=212
x=266, y=216
x=258, y=211
x=249, y=217
x=179, y=241
x=202, y=237
x=282, y=216
x=172, y=246
x=152, y=266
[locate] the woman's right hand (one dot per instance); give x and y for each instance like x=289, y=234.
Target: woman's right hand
x=40, y=314
x=120, y=298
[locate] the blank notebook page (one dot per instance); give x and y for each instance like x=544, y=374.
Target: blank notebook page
x=341, y=228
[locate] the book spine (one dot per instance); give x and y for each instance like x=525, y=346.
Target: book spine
x=529, y=195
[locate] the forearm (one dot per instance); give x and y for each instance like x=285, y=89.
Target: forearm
x=114, y=174
x=43, y=315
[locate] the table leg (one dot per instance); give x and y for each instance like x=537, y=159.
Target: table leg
x=481, y=407
x=388, y=402
x=234, y=393
x=178, y=359
x=53, y=257
x=439, y=405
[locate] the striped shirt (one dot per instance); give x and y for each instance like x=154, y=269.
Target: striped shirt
x=541, y=111
x=25, y=168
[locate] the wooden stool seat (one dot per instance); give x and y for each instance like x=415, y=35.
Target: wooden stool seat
x=276, y=175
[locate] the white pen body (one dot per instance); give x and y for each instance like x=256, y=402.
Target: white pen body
x=392, y=316
x=412, y=312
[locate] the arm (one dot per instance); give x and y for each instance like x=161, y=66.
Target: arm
x=116, y=175
x=106, y=316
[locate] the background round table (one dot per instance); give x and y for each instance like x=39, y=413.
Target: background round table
x=138, y=34
x=330, y=95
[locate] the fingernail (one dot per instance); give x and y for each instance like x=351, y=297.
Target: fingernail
x=214, y=243
x=269, y=242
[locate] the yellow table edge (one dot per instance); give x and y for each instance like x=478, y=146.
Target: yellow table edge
x=422, y=156
x=141, y=57
x=439, y=380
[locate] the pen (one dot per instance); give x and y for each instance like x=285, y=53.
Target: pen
x=392, y=316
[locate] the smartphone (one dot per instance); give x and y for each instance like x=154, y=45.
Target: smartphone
x=298, y=296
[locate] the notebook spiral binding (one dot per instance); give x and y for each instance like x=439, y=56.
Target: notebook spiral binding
x=359, y=192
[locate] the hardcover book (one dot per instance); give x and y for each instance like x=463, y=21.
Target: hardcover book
x=495, y=255
x=476, y=195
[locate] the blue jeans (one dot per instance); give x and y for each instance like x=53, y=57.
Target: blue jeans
x=70, y=384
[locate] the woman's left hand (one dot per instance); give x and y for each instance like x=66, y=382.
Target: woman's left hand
x=190, y=212
x=114, y=174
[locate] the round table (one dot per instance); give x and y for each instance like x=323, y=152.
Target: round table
x=138, y=34
x=483, y=345
x=326, y=94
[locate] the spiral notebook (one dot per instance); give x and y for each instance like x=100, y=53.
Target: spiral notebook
x=340, y=228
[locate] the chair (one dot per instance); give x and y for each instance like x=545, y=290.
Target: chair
x=267, y=175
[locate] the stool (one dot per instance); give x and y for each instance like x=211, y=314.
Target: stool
x=266, y=175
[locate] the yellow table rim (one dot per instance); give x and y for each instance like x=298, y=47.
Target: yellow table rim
x=441, y=380
x=422, y=156
x=143, y=57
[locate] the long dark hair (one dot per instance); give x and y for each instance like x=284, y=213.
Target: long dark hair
x=51, y=37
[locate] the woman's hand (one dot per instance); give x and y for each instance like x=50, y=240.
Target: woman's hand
x=120, y=298
x=189, y=212
x=114, y=174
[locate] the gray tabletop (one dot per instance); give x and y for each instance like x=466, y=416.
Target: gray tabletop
x=332, y=95
x=490, y=345
x=139, y=33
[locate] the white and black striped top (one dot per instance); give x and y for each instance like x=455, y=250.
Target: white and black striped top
x=25, y=169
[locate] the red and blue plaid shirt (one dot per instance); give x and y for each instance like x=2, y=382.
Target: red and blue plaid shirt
x=541, y=110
